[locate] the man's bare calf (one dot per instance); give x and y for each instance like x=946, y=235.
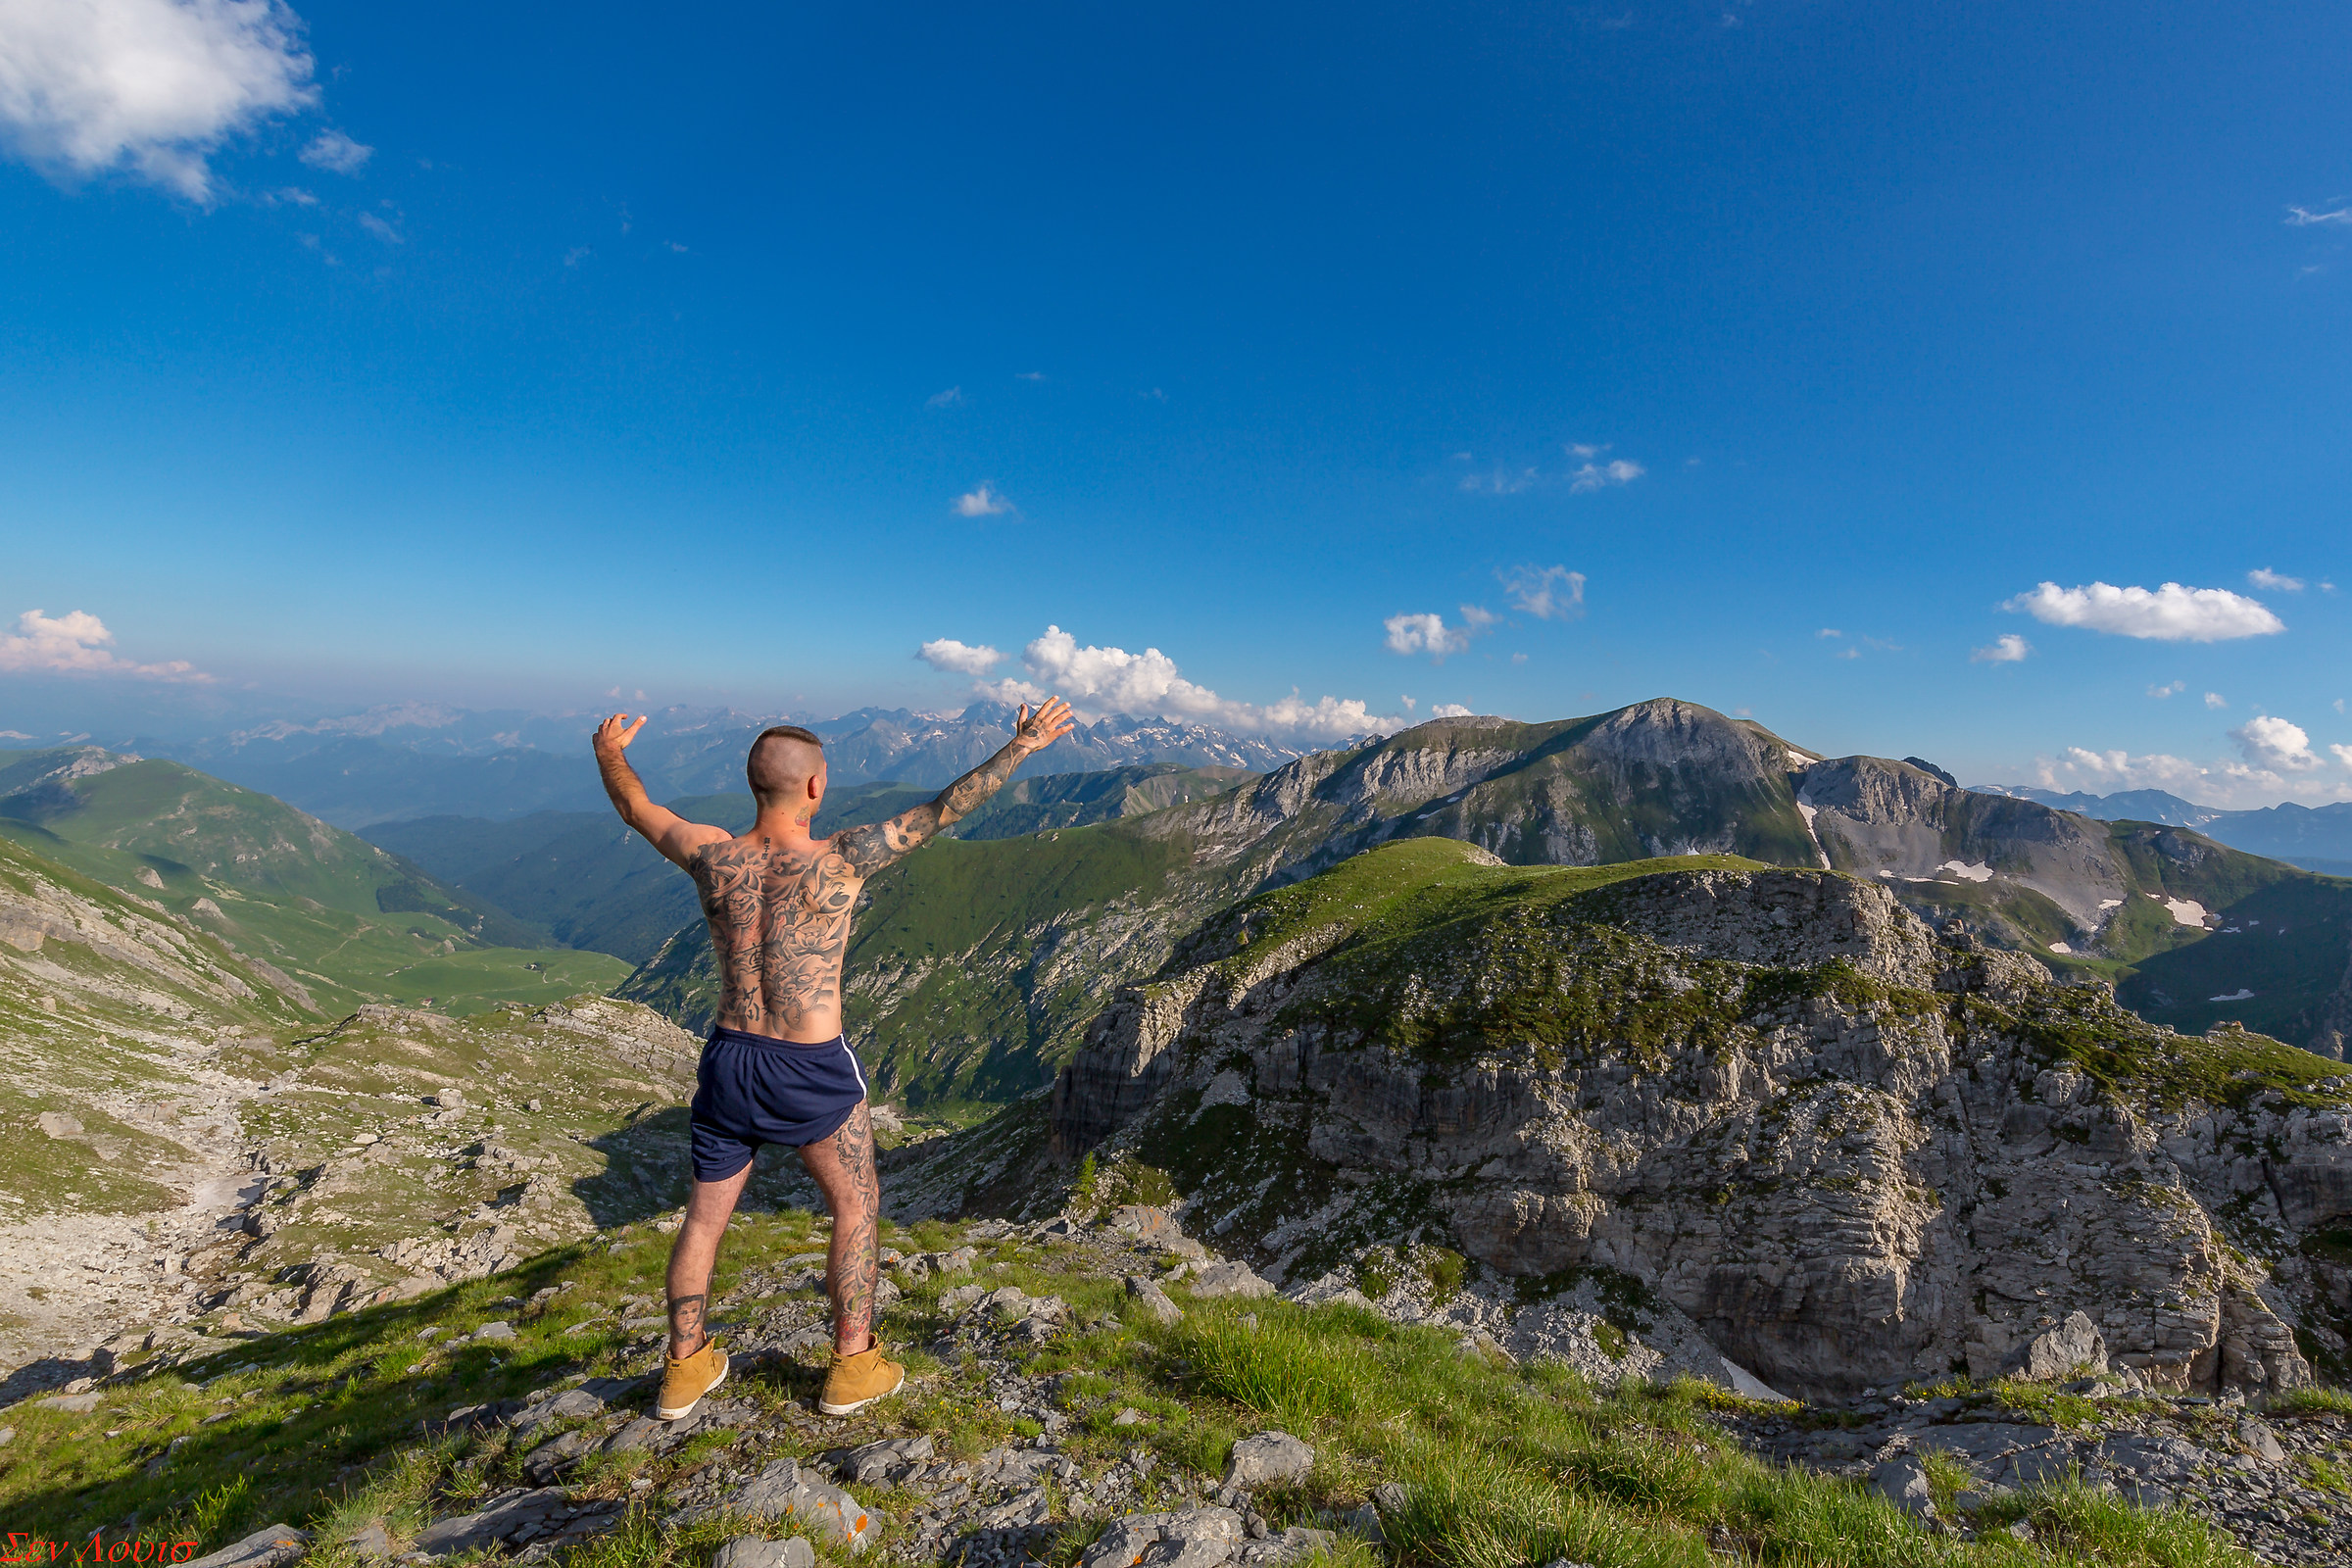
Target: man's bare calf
x=844, y=1168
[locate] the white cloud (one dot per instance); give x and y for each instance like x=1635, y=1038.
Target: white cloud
x=1450, y=710
x=958, y=659
x=338, y=153
x=2007, y=649
x=2165, y=693
x=2304, y=218
x=1500, y=482
x=1114, y=680
x=152, y=87
x=1594, y=475
x=76, y=644
x=1409, y=704
x=982, y=503
x=390, y=236
x=1829, y=631
x=2265, y=577
x=2342, y=754
x=1584, y=452
x=2168, y=614
x=2078, y=767
x=20, y=735
x=2216, y=699
x=576, y=255
x=1426, y=634
x=1547, y=593
x=1478, y=618
x=2272, y=742
x=945, y=399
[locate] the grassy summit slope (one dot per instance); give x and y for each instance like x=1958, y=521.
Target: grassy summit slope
x=350, y=921
x=1496, y=1464
x=99, y=995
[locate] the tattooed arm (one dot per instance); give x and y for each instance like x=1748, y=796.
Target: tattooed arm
x=664, y=828
x=871, y=848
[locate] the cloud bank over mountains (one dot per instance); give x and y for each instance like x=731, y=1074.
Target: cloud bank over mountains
x=1098, y=680
x=77, y=643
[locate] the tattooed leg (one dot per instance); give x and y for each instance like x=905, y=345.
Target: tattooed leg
x=844, y=1167
x=694, y=1254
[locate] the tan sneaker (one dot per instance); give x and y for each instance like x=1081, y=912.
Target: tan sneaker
x=685, y=1382
x=857, y=1381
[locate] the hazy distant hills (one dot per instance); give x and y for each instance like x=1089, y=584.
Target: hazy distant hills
x=591, y=882
x=414, y=761
x=2317, y=838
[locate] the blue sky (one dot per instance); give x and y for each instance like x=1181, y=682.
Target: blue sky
x=520, y=354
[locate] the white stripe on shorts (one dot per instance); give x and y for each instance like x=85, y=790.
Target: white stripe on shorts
x=862, y=1092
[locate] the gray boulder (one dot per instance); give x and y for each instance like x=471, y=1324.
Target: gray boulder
x=1903, y=1482
x=757, y=1551
x=573, y=1405
x=884, y=1464
x=2261, y=1441
x=2063, y=1352
x=1268, y=1457
x=1192, y=1538
x=264, y=1548
x=783, y=1491
x=1228, y=1279
x=1153, y=1301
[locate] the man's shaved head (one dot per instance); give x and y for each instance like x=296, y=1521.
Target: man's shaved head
x=783, y=759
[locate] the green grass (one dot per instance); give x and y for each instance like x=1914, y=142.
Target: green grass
x=2225, y=1066
x=2314, y=1401
x=1503, y=1465
x=1412, y=886
x=1510, y=1465
x=346, y=920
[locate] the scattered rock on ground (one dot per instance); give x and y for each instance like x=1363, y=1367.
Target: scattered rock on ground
x=757, y=1551
x=1268, y=1457
x=264, y=1548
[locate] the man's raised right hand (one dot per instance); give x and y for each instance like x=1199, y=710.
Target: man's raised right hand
x=614, y=735
x=1035, y=731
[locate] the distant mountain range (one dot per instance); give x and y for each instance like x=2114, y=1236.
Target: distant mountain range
x=415, y=761
x=2317, y=838
x=980, y=960
x=976, y=967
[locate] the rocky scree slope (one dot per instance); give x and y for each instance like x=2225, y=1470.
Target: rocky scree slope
x=975, y=969
x=1851, y=1154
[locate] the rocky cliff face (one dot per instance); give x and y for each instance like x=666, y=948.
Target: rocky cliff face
x=1852, y=1154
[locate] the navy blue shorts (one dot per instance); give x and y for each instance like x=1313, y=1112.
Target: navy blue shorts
x=751, y=1090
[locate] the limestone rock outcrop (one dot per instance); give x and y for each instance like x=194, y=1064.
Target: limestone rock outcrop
x=1854, y=1154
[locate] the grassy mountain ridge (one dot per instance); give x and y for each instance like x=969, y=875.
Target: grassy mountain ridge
x=350, y=921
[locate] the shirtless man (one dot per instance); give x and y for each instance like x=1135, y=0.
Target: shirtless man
x=778, y=1069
